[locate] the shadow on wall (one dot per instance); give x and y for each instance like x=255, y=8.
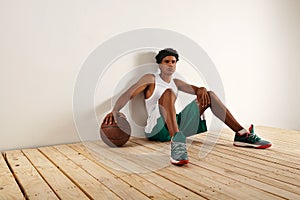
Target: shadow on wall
x=141, y=63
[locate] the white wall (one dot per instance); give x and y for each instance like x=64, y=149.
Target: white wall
x=254, y=44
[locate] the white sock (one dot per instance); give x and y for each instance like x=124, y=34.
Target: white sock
x=243, y=131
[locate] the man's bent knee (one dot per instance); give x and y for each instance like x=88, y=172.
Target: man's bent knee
x=167, y=102
x=169, y=92
x=168, y=96
x=210, y=93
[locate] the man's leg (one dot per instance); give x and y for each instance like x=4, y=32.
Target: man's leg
x=167, y=110
x=242, y=137
x=220, y=111
x=179, y=154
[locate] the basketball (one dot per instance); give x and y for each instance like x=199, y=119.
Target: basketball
x=116, y=135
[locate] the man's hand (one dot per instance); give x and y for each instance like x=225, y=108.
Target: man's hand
x=203, y=97
x=112, y=117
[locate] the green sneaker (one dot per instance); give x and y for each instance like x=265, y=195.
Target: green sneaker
x=250, y=140
x=179, y=154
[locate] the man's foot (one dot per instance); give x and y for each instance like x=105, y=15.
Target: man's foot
x=179, y=154
x=250, y=140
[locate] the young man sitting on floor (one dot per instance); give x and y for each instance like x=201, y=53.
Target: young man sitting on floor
x=163, y=124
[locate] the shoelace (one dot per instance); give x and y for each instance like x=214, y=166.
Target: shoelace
x=178, y=146
x=252, y=137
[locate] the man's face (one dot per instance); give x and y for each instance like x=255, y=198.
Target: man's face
x=168, y=65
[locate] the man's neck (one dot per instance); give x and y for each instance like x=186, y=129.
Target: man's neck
x=166, y=78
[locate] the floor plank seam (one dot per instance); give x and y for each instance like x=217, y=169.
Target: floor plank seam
x=183, y=186
x=246, y=178
x=257, y=175
x=259, y=188
x=62, y=171
x=149, y=181
x=222, y=148
x=41, y=175
x=15, y=177
x=70, y=145
x=227, y=155
x=263, y=157
x=167, y=178
x=257, y=156
x=109, y=171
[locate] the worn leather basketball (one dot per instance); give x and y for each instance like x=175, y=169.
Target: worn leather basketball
x=116, y=135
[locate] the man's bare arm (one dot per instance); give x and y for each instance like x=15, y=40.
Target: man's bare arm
x=201, y=93
x=137, y=88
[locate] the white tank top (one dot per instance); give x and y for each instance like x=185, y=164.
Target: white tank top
x=152, y=106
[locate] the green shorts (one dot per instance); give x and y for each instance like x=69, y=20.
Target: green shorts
x=188, y=120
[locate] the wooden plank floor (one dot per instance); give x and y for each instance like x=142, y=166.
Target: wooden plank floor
x=141, y=170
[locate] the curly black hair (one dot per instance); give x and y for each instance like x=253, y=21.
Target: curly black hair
x=166, y=52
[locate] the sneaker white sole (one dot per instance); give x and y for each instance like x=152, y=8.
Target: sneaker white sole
x=243, y=144
x=178, y=162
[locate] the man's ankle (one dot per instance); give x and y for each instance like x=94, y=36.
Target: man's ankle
x=242, y=131
x=178, y=137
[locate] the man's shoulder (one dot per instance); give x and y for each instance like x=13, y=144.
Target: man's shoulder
x=148, y=77
x=177, y=80
x=179, y=83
